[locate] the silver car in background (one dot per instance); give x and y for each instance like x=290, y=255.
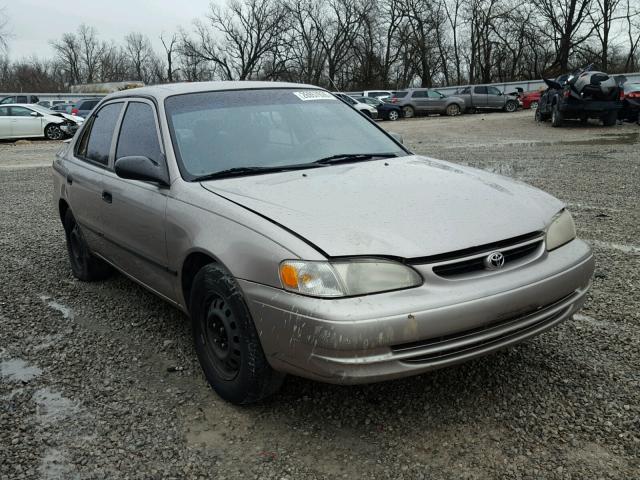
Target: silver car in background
x=301, y=238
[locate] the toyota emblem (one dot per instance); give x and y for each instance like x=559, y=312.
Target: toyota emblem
x=494, y=261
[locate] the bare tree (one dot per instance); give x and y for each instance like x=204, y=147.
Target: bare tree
x=139, y=55
x=566, y=26
x=90, y=52
x=68, y=52
x=170, y=46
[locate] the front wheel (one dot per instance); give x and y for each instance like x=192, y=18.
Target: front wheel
x=408, y=111
x=453, y=110
x=53, y=132
x=393, y=115
x=226, y=340
x=534, y=105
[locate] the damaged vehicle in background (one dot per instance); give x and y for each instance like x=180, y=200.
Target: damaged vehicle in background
x=630, y=95
x=486, y=97
x=32, y=120
x=302, y=238
x=580, y=96
x=414, y=101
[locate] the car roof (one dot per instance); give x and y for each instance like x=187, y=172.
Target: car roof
x=27, y=105
x=161, y=92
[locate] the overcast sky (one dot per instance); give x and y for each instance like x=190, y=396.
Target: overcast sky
x=33, y=23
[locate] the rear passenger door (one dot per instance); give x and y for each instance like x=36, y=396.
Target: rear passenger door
x=495, y=98
x=85, y=173
x=135, y=211
x=480, y=96
x=420, y=100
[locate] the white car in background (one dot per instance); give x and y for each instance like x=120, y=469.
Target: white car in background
x=363, y=108
x=31, y=120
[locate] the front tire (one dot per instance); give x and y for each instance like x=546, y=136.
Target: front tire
x=226, y=340
x=393, y=115
x=84, y=265
x=53, y=132
x=533, y=105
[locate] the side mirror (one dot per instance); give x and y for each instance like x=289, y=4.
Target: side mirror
x=397, y=137
x=34, y=114
x=141, y=168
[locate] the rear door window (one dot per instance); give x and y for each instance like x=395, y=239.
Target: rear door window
x=22, y=99
x=96, y=144
x=138, y=133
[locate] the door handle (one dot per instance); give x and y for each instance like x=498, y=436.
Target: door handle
x=69, y=179
x=106, y=196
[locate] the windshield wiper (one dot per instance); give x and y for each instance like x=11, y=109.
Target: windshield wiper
x=240, y=171
x=351, y=157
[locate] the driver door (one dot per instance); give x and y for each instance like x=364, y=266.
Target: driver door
x=495, y=98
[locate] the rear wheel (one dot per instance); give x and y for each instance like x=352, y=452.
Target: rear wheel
x=511, y=106
x=556, y=116
x=53, y=132
x=393, y=115
x=226, y=339
x=533, y=105
x=84, y=265
x=408, y=111
x=453, y=110
x=609, y=119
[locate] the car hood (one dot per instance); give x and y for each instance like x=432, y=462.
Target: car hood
x=404, y=207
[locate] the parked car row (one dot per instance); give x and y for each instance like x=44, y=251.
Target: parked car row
x=33, y=120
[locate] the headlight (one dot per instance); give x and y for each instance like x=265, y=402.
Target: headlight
x=561, y=230
x=346, y=278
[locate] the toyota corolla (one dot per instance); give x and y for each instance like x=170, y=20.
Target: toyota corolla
x=301, y=238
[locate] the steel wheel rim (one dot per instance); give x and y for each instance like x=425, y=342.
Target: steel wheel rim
x=221, y=336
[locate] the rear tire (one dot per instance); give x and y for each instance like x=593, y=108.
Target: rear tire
x=511, y=107
x=453, y=110
x=533, y=105
x=393, y=115
x=408, y=111
x=556, y=116
x=226, y=340
x=84, y=265
x=609, y=118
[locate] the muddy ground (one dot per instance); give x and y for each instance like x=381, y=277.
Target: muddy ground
x=100, y=380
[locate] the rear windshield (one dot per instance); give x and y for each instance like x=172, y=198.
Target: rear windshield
x=215, y=131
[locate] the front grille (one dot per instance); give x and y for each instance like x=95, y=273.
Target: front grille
x=513, y=254
x=443, y=348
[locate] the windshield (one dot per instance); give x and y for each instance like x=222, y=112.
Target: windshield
x=41, y=109
x=216, y=131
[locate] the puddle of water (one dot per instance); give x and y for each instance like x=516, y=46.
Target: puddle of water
x=17, y=370
x=66, y=312
x=52, y=406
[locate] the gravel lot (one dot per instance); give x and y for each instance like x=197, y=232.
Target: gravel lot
x=101, y=381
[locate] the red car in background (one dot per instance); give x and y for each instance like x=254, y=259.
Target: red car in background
x=530, y=99
x=630, y=96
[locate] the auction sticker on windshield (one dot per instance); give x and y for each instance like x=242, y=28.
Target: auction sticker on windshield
x=314, y=95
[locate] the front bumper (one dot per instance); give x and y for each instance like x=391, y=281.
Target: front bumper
x=443, y=322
